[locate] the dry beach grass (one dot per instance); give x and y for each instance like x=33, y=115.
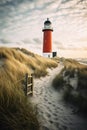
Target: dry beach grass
x=73, y=79
x=16, y=113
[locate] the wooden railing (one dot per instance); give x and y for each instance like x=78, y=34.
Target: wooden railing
x=27, y=84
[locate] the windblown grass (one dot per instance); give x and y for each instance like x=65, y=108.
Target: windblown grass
x=79, y=96
x=25, y=61
x=58, y=82
x=73, y=64
x=16, y=113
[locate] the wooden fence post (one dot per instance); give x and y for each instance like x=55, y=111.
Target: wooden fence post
x=32, y=83
x=26, y=83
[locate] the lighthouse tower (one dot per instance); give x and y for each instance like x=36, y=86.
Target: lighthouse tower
x=47, y=39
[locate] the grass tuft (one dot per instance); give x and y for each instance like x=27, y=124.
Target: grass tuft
x=58, y=81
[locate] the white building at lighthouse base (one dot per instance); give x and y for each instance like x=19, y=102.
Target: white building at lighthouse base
x=48, y=54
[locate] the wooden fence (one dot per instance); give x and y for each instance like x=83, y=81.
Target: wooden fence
x=27, y=84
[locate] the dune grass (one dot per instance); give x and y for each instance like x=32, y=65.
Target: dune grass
x=58, y=82
x=16, y=112
x=31, y=63
x=79, y=96
x=73, y=64
x=82, y=76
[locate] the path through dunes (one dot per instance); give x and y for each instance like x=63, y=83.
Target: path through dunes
x=53, y=113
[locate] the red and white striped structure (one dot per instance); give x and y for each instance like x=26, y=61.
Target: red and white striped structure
x=47, y=39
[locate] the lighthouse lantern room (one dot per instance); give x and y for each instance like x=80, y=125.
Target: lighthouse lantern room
x=47, y=39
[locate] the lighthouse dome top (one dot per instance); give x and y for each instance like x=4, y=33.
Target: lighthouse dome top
x=47, y=22
x=47, y=25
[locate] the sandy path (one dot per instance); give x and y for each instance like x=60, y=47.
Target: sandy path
x=53, y=113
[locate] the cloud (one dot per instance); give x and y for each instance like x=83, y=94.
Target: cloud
x=83, y=39
x=37, y=40
x=27, y=41
x=22, y=21
x=2, y=2
x=5, y=40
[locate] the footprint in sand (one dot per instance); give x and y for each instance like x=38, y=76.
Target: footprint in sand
x=48, y=115
x=49, y=103
x=51, y=121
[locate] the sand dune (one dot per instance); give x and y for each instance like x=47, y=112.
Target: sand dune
x=52, y=112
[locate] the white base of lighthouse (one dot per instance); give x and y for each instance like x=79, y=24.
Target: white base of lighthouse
x=47, y=54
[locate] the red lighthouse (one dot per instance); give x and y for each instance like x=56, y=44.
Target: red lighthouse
x=47, y=39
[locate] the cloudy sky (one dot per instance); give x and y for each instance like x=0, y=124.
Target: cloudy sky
x=21, y=23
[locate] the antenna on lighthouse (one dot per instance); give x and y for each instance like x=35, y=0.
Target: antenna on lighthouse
x=47, y=38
